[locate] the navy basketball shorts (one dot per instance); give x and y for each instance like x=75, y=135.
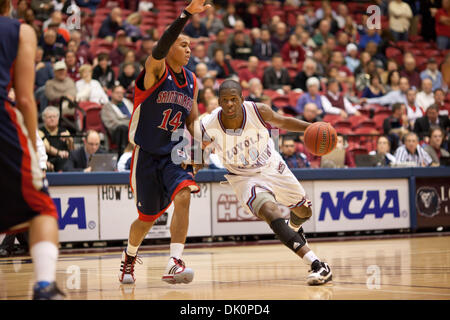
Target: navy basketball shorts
x=155, y=181
x=23, y=188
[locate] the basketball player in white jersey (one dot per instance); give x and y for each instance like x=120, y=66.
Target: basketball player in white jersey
x=257, y=173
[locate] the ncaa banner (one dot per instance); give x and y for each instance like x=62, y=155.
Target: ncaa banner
x=118, y=211
x=230, y=218
x=353, y=205
x=77, y=212
x=433, y=202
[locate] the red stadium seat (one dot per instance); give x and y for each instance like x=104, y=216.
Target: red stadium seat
x=331, y=118
x=367, y=124
x=293, y=97
x=342, y=123
x=379, y=119
x=280, y=101
x=93, y=120
x=344, y=130
x=356, y=120
x=366, y=130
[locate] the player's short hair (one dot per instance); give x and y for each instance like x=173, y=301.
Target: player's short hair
x=230, y=84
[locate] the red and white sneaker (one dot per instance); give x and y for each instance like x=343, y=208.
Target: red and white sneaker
x=176, y=272
x=126, y=275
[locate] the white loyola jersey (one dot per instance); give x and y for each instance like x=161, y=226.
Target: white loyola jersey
x=243, y=151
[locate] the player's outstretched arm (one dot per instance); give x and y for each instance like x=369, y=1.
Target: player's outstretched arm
x=24, y=80
x=155, y=65
x=279, y=121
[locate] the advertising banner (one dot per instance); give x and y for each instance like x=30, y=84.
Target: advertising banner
x=433, y=202
x=118, y=211
x=77, y=212
x=230, y=218
x=352, y=205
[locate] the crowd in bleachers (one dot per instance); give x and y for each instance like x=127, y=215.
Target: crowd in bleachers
x=384, y=88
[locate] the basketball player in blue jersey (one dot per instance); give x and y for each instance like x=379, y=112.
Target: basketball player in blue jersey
x=24, y=199
x=258, y=174
x=165, y=101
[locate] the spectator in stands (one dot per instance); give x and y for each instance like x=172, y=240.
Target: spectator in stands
x=212, y=23
x=117, y=55
x=79, y=158
x=292, y=51
x=411, y=151
x=53, y=51
x=342, y=144
x=310, y=17
x=265, y=48
x=60, y=86
x=309, y=69
x=42, y=9
x=375, y=88
x=372, y=49
x=383, y=148
x=432, y=72
x=90, y=4
x=409, y=70
x=439, y=98
x=230, y=17
x=292, y=158
x=72, y=66
x=211, y=104
x=56, y=22
x=393, y=81
x=19, y=12
x=252, y=18
x=239, y=27
x=145, y=50
x=362, y=79
x=255, y=90
x=276, y=76
x=351, y=60
x=432, y=118
x=80, y=48
x=400, y=16
x=412, y=110
x=89, y=89
x=313, y=95
x=341, y=15
x=205, y=95
x=338, y=100
x=116, y=115
x=124, y=163
x=201, y=70
x=434, y=148
x=196, y=29
x=322, y=33
x=219, y=43
x=153, y=33
x=250, y=72
x=442, y=18
x=103, y=72
x=425, y=98
x=44, y=72
x=239, y=49
x=337, y=60
x=310, y=113
x=127, y=77
x=111, y=25
x=280, y=36
x=132, y=26
x=396, y=125
x=396, y=96
x=30, y=20
x=370, y=35
x=220, y=67
x=57, y=140
x=130, y=57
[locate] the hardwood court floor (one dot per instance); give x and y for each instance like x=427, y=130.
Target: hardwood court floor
x=408, y=268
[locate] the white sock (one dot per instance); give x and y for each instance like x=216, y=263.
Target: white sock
x=44, y=255
x=132, y=250
x=310, y=257
x=176, y=250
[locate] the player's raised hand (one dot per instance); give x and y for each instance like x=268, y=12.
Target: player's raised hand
x=197, y=6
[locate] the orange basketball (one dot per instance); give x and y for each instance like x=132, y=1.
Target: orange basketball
x=320, y=138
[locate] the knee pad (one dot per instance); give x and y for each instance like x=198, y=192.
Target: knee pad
x=290, y=238
x=298, y=221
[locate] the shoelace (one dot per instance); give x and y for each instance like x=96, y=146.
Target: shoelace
x=129, y=267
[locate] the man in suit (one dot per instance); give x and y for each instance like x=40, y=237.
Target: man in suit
x=432, y=118
x=79, y=158
x=277, y=77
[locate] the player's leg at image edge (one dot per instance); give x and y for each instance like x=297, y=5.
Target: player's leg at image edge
x=291, y=235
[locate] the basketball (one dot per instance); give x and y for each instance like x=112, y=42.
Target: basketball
x=320, y=138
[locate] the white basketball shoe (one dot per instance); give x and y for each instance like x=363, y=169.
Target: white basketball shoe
x=176, y=272
x=320, y=273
